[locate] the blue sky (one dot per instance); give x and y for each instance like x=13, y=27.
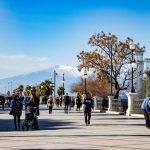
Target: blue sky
x=50, y=32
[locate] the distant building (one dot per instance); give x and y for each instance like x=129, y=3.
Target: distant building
x=147, y=63
x=140, y=70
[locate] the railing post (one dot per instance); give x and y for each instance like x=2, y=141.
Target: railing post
x=110, y=98
x=95, y=103
x=131, y=98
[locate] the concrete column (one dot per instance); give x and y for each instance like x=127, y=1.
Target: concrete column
x=110, y=98
x=95, y=103
x=131, y=98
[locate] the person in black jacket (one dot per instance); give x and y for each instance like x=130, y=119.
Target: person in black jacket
x=16, y=110
x=87, y=105
x=67, y=102
x=34, y=101
x=33, y=105
x=78, y=102
x=2, y=100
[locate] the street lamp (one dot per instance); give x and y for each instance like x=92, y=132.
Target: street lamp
x=132, y=65
x=55, y=73
x=8, y=86
x=85, y=77
x=111, y=70
x=51, y=86
x=63, y=82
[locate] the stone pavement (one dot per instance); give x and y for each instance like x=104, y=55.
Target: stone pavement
x=68, y=131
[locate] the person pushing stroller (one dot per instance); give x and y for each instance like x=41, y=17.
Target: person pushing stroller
x=32, y=111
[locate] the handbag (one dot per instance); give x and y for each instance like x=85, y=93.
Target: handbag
x=11, y=111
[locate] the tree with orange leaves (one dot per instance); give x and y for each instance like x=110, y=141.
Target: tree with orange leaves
x=109, y=60
x=95, y=86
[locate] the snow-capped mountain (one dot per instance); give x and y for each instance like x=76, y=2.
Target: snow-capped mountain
x=34, y=78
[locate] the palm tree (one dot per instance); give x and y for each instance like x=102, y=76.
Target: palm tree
x=27, y=90
x=60, y=91
x=19, y=89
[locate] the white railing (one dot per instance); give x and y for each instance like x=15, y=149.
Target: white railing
x=100, y=104
x=133, y=105
x=137, y=106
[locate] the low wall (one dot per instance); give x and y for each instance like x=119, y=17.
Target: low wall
x=137, y=106
x=133, y=106
x=100, y=104
x=116, y=105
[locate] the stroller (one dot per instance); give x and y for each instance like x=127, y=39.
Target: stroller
x=31, y=120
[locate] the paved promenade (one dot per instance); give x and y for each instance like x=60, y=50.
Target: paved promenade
x=68, y=131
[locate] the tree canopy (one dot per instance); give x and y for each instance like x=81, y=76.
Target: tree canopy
x=109, y=59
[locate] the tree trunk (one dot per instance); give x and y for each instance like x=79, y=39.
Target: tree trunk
x=117, y=94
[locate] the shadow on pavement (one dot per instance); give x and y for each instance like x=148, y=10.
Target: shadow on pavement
x=124, y=118
x=55, y=125
x=117, y=124
x=6, y=125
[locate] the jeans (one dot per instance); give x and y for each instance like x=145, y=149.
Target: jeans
x=66, y=108
x=15, y=121
x=87, y=116
x=50, y=109
x=3, y=105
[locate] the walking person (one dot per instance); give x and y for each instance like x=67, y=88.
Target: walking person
x=60, y=100
x=67, y=102
x=78, y=102
x=146, y=110
x=16, y=110
x=26, y=101
x=88, y=104
x=50, y=104
x=34, y=103
x=2, y=99
x=57, y=101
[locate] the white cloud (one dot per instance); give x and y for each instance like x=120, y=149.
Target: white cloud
x=11, y=65
x=71, y=70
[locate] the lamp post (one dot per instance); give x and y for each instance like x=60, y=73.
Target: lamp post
x=11, y=87
x=51, y=86
x=63, y=82
x=55, y=73
x=132, y=65
x=111, y=72
x=8, y=86
x=85, y=77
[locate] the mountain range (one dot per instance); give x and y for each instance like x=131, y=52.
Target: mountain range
x=35, y=78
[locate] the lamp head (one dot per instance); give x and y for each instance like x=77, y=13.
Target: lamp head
x=132, y=47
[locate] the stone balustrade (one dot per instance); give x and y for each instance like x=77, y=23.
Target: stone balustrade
x=133, y=104
x=114, y=105
x=137, y=106
x=100, y=104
